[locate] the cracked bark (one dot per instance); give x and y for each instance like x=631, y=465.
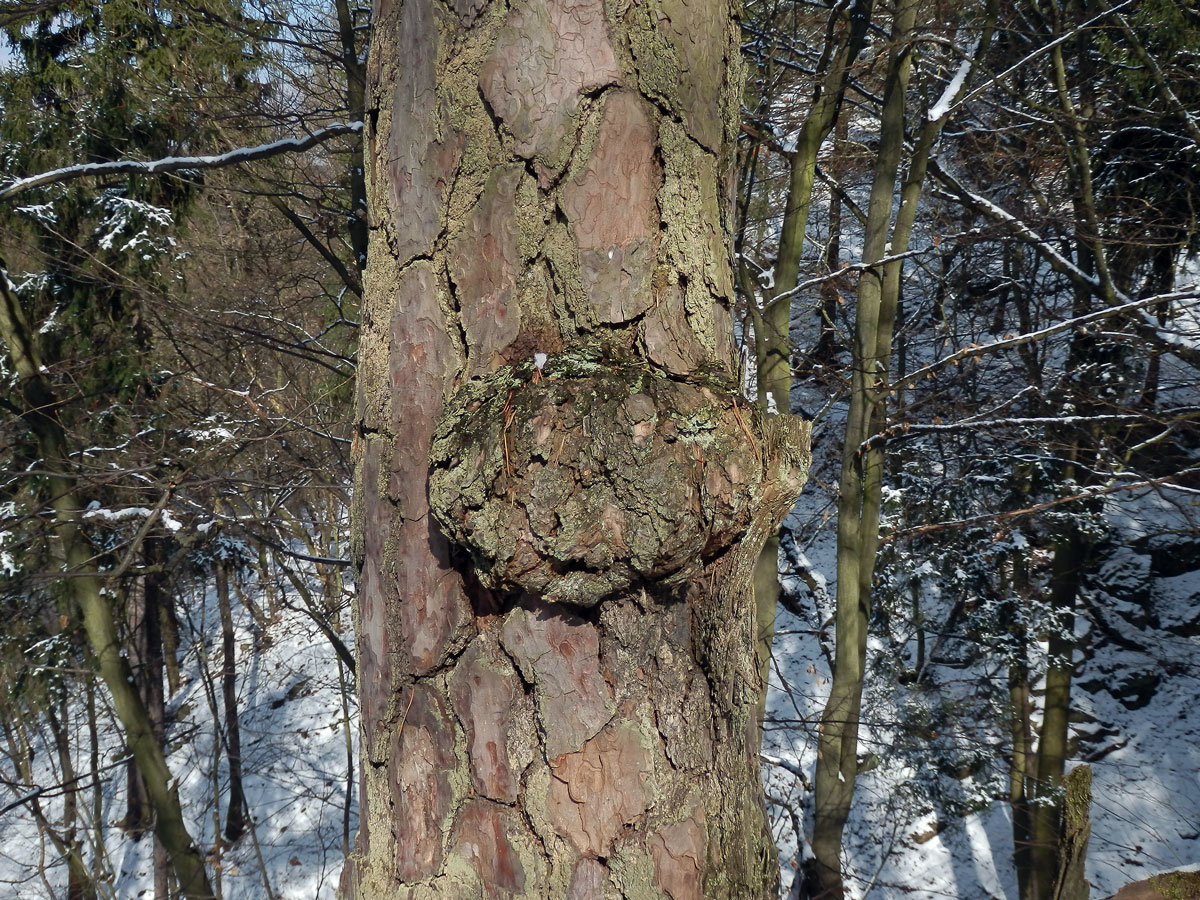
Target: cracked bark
x=560, y=497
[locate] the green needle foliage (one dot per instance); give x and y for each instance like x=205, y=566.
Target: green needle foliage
x=94, y=82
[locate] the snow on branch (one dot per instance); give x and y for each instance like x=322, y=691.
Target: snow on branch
x=845, y=269
x=1018, y=229
x=1174, y=481
x=1182, y=346
x=1040, y=51
x=177, y=163
x=1029, y=337
x=954, y=89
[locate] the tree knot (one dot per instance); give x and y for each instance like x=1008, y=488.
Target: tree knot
x=597, y=477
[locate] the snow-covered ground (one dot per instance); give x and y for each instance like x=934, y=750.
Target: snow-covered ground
x=294, y=732
x=1135, y=721
x=1135, y=700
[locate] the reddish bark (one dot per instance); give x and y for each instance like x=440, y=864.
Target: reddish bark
x=556, y=633
x=546, y=57
x=600, y=789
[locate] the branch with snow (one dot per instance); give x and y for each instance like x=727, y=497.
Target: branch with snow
x=954, y=89
x=1017, y=228
x=914, y=429
x=846, y=269
x=1175, y=481
x=1040, y=51
x=1016, y=340
x=179, y=163
x=1182, y=346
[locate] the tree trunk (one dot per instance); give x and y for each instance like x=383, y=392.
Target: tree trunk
x=1046, y=818
x=80, y=885
x=847, y=31
x=1020, y=779
x=169, y=628
x=146, y=659
x=1020, y=770
x=138, y=812
x=97, y=783
x=560, y=496
x=1072, y=883
x=825, y=350
x=152, y=645
x=144, y=600
x=861, y=479
x=235, y=815
x=860, y=484
x=355, y=92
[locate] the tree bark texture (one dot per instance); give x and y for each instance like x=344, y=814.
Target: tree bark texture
x=556, y=626
x=238, y=812
x=1047, y=811
x=1072, y=883
x=143, y=599
x=148, y=598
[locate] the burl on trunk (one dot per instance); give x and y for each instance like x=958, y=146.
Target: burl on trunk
x=560, y=493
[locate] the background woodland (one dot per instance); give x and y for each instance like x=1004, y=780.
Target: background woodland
x=965, y=248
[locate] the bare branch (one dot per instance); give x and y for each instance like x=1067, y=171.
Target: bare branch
x=976, y=350
x=912, y=429
x=351, y=282
x=981, y=89
x=178, y=163
x=1172, y=481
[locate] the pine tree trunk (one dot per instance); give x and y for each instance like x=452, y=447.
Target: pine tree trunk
x=561, y=497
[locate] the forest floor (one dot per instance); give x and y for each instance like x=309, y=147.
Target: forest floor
x=1135, y=720
x=1136, y=693
x=294, y=733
